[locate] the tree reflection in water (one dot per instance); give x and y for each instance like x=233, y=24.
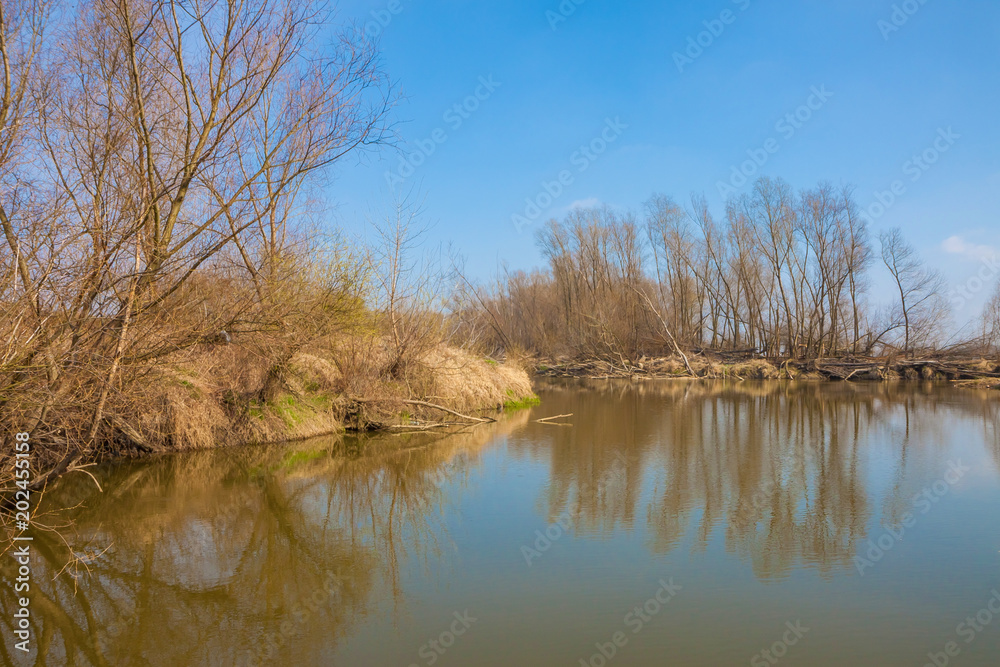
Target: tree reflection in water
x=779, y=467
x=215, y=556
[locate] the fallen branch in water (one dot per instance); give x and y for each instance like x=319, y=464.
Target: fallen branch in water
x=424, y=427
x=548, y=419
x=435, y=406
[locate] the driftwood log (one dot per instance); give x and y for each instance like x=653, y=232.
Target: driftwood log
x=842, y=369
x=876, y=369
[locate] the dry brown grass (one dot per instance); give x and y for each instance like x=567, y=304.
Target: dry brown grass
x=986, y=366
x=468, y=382
x=756, y=369
x=207, y=399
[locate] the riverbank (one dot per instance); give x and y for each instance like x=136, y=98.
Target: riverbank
x=982, y=373
x=198, y=408
x=398, y=525
x=218, y=397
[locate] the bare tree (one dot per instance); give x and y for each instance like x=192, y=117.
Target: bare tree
x=991, y=322
x=675, y=251
x=771, y=210
x=408, y=285
x=921, y=306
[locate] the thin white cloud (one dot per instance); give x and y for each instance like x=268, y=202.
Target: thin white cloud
x=957, y=245
x=589, y=202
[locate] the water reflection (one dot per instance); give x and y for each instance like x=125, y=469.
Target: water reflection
x=278, y=555
x=782, y=468
x=250, y=556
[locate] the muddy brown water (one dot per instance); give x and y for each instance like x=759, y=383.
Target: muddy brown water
x=664, y=523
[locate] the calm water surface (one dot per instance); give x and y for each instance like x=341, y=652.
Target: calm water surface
x=668, y=523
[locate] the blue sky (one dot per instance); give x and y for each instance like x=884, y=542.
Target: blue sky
x=895, y=80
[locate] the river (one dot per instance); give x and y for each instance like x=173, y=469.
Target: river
x=662, y=523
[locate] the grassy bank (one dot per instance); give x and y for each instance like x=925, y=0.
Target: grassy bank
x=229, y=395
x=200, y=404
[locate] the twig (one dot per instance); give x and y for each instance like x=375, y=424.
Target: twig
x=449, y=411
x=545, y=419
x=435, y=406
x=424, y=427
x=86, y=472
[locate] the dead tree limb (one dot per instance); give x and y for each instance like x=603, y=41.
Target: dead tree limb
x=548, y=419
x=449, y=411
x=435, y=406
x=666, y=329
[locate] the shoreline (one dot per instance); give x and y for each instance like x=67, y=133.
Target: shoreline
x=192, y=411
x=199, y=403
x=312, y=401
x=980, y=372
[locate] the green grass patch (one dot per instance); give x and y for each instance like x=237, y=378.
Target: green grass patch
x=294, y=410
x=193, y=391
x=289, y=410
x=318, y=402
x=515, y=403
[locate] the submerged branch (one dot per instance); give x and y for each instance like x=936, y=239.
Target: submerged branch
x=449, y=411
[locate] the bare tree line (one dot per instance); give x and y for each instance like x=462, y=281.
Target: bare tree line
x=782, y=274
